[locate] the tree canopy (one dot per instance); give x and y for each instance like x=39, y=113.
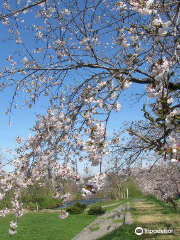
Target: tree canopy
x=82, y=55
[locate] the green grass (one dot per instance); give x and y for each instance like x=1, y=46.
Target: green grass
x=154, y=215
x=95, y=227
x=119, y=203
x=104, y=203
x=45, y=226
x=167, y=207
x=110, y=208
x=128, y=233
x=134, y=192
x=123, y=233
x=118, y=221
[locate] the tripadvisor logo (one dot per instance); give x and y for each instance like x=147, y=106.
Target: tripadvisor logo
x=138, y=231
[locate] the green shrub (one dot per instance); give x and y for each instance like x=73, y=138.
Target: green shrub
x=97, y=210
x=6, y=201
x=49, y=203
x=78, y=196
x=80, y=205
x=74, y=210
x=31, y=206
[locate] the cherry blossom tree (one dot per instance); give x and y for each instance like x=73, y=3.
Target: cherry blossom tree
x=82, y=55
x=105, y=45
x=162, y=181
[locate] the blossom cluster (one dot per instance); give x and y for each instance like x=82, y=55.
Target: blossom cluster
x=94, y=184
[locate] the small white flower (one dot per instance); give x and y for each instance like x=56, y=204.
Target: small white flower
x=171, y=141
x=1, y=196
x=39, y=35
x=157, y=22
x=126, y=84
x=12, y=232
x=117, y=107
x=13, y=224
x=149, y=3
x=19, y=139
x=63, y=214
x=174, y=150
x=42, y=4
x=6, y=6
x=170, y=100
x=18, y=41
x=26, y=61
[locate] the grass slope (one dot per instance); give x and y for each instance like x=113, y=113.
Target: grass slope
x=151, y=214
x=45, y=226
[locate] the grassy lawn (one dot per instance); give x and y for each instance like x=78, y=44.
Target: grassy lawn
x=116, y=202
x=150, y=214
x=45, y=226
x=105, y=203
x=154, y=215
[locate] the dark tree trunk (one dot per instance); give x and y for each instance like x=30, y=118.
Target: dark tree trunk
x=170, y=200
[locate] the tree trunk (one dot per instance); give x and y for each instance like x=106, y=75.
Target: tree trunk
x=170, y=200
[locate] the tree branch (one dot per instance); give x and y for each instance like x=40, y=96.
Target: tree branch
x=22, y=9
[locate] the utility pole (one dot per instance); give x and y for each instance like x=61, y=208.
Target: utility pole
x=76, y=166
x=100, y=170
